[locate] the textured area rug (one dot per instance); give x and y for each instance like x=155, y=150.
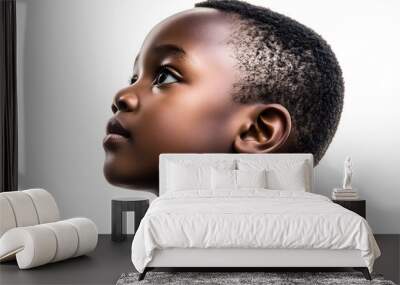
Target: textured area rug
x=230, y=278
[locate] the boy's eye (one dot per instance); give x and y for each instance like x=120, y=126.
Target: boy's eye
x=133, y=79
x=165, y=76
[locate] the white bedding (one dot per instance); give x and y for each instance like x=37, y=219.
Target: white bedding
x=250, y=218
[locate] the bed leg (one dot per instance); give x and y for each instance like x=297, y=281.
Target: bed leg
x=143, y=274
x=364, y=271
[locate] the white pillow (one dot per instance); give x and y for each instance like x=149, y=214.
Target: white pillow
x=293, y=179
x=251, y=178
x=282, y=174
x=188, y=177
x=223, y=179
x=193, y=174
x=230, y=180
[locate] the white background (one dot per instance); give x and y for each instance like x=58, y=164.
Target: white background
x=74, y=55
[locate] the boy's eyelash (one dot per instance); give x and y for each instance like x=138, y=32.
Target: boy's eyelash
x=170, y=70
x=161, y=68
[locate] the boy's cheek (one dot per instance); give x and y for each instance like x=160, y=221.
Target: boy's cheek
x=185, y=121
x=175, y=134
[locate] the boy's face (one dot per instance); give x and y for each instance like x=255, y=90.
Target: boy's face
x=184, y=107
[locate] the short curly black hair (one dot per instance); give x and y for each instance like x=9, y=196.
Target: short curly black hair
x=285, y=62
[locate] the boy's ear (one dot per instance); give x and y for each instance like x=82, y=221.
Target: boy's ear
x=266, y=128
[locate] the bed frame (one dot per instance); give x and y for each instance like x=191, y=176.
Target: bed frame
x=241, y=259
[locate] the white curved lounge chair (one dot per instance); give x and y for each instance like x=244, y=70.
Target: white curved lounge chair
x=32, y=233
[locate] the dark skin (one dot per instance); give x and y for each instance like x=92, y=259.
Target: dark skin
x=180, y=101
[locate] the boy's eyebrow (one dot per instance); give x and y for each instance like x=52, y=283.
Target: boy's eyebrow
x=165, y=49
x=169, y=48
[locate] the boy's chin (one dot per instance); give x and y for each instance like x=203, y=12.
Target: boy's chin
x=126, y=179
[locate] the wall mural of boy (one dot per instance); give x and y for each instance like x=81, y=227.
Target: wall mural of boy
x=223, y=77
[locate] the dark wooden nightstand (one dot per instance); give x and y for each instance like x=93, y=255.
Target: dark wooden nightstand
x=357, y=206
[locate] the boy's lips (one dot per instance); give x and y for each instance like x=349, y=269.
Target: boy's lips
x=115, y=127
x=115, y=134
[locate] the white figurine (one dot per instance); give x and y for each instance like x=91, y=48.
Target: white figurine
x=348, y=173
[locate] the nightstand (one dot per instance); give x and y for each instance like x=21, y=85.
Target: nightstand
x=119, y=207
x=357, y=206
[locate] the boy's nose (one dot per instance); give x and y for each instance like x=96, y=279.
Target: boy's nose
x=125, y=102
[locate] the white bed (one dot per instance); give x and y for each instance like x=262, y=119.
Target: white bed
x=248, y=227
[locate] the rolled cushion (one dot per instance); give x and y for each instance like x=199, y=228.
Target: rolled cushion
x=7, y=218
x=66, y=237
x=23, y=208
x=32, y=245
x=45, y=205
x=87, y=234
x=40, y=244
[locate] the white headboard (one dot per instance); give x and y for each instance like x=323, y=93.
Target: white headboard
x=210, y=157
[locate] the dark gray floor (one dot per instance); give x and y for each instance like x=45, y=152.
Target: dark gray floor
x=110, y=259
x=389, y=262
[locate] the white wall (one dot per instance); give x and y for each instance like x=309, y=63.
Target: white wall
x=74, y=55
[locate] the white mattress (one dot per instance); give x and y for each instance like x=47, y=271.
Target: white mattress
x=250, y=219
